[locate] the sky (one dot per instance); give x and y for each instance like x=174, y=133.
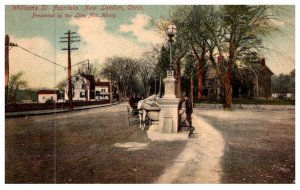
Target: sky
x=123, y=31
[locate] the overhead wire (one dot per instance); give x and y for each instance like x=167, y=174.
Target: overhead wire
x=41, y=57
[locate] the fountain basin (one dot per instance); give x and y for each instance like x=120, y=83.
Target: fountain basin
x=153, y=114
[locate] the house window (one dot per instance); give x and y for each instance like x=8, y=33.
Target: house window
x=102, y=90
x=43, y=97
x=97, y=93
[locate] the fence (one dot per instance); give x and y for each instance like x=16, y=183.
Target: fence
x=44, y=106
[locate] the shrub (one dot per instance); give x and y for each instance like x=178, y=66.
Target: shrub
x=49, y=101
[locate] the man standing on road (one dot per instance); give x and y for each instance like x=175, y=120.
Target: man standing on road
x=185, y=107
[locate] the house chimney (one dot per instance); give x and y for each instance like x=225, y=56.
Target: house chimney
x=263, y=62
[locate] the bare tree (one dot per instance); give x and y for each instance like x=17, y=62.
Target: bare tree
x=122, y=70
x=145, y=71
x=194, y=36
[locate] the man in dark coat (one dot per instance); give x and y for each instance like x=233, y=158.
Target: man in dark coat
x=186, y=107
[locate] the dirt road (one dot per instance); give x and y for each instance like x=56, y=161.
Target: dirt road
x=88, y=146
x=259, y=144
x=98, y=146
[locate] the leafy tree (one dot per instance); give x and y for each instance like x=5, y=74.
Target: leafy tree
x=189, y=76
x=15, y=85
x=292, y=80
x=241, y=34
x=163, y=58
x=283, y=83
x=28, y=95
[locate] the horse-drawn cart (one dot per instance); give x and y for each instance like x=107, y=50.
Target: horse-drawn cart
x=132, y=110
x=147, y=107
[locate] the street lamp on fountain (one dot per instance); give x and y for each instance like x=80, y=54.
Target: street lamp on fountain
x=171, y=31
x=168, y=115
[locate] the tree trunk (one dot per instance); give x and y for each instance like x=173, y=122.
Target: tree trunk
x=227, y=88
x=192, y=88
x=199, y=80
x=200, y=61
x=228, y=78
x=200, y=74
x=121, y=94
x=147, y=90
x=178, y=71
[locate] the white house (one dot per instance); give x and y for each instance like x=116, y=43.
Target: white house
x=80, y=88
x=44, y=95
x=102, y=91
x=85, y=88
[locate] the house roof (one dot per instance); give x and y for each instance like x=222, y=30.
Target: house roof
x=98, y=83
x=265, y=67
x=47, y=92
x=90, y=78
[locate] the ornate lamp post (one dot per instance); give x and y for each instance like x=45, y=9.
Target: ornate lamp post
x=171, y=31
x=168, y=116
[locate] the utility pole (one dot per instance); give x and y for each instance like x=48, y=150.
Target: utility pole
x=7, y=45
x=70, y=39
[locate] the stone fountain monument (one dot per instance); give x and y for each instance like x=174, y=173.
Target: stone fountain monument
x=168, y=115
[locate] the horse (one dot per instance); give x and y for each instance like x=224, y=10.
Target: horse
x=144, y=105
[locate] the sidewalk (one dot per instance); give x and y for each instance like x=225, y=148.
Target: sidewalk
x=43, y=112
x=200, y=161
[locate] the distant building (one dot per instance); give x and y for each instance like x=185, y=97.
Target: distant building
x=84, y=88
x=212, y=84
x=247, y=82
x=80, y=88
x=253, y=81
x=285, y=96
x=102, y=90
x=44, y=95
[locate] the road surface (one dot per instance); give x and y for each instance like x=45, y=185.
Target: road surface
x=88, y=146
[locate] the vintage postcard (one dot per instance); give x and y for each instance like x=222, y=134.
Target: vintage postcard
x=149, y=94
